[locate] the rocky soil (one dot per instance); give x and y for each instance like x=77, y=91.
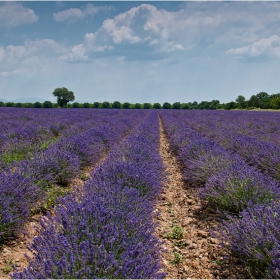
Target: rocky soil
x=184, y=226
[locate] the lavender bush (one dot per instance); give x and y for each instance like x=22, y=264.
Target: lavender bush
x=238, y=186
x=255, y=239
x=18, y=195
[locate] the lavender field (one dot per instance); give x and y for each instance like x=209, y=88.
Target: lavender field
x=94, y=177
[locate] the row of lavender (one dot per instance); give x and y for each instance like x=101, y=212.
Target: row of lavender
x=25, y=185
x=265, y=126
x=30, y=131
x=247, y=197
x=263, y=155
x=108, y=231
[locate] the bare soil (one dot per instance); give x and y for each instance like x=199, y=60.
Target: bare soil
x=184, y=225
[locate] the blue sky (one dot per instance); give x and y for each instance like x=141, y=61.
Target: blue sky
x=155, y=51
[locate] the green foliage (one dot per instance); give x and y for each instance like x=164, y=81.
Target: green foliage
x=76, y=105
x=178, y=258
x=157, y=106
x=185, y=106
x=28, y=105
x=137, y=106
x=37, y=105
x=177, y=232
x=8, y=267
x=47, y=104
x=10, y=104
x=147, y=106
x=126, y=105
x=176, y=105
x=166, y=105
x=275, y=103
x=105, y=104
x=2, y=104
x=19, y=105
x=63, y=96
x=97, y=105
x=116, y=105
x=86, y=105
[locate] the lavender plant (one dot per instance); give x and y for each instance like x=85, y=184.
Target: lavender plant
x=18, y=195
x=239, y=186
x=255, y=239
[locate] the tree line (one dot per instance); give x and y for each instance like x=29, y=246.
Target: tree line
x=261, y=100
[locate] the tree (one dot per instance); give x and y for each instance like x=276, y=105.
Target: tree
x=10, y=104
x=126, y=105
x=230, y=105
x=63, y=96
x=185, y=106
x=2, y=104
x=116, y=105
x=275, y=102
x=166, y=105
x=157, y=106
x=19, y=104
x=37, y=105
x=214, y=104
x=86, y=105
x=76, y=105
x=176, y=105
x=147, y=105
x=240, y=99
x=105, y=104
x=96, y=105
x=47, y=104
x=137, y=106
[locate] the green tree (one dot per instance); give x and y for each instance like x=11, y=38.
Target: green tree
x=96, y=105
x=2, y=104
x=63, y=96
x=76, y=105
x=185, y=106
x=10, y=104
x=28, y=105
x=176, y=105
x=137, y=106
x=157, y=106
x=275, y=102
x=47, y=104
x=116, y=105
x=166, y=105
x=147, y=106
x=19, y=104
x=37, y=105
x=230, y=105
x=86, y=105
x=105, y=104
x=214, y=104
x=126, y=105
x=240, y=99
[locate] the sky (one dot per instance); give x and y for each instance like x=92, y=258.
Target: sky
x=132, y=51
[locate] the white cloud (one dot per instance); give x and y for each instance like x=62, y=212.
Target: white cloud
x=269, y=46
x=2, y=51
x=13, y=14
x=45, y=47
x=77, y=53
x=7, y=74
x=74, y=14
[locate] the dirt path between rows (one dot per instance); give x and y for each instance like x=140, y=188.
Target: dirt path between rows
x=184, y=227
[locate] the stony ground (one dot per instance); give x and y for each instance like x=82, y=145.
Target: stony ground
x=184, y=226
